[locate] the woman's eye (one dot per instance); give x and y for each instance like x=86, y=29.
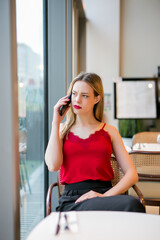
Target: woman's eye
x=73, y=93
x=85, y=96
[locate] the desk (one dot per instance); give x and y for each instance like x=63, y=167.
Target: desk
x=96, y=225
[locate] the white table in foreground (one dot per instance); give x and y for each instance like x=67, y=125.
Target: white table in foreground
x=98, y=225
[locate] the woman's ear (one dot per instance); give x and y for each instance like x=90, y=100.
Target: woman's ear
x=97, y=99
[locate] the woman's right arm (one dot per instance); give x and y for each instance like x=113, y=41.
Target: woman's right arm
x=54, y=151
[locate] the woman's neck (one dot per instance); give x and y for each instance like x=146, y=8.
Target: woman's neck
x=84, y=121
x=83, y=127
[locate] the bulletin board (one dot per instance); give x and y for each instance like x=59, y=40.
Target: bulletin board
x=136, y=98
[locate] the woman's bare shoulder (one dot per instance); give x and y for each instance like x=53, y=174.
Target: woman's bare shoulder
x=110, y=128
x=113, y=132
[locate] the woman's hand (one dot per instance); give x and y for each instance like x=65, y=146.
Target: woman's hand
x=88, y=195
x=56, y=115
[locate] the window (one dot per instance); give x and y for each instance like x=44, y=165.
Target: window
x=31, y=112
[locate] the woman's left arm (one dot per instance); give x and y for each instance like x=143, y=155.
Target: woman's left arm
x=130, y=174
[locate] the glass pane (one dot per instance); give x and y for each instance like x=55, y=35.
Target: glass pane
x=31, y=112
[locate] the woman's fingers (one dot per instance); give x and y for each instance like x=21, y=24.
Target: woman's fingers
x=88, y=195
x=84, y=197
x=62, y=101
x=56, y=116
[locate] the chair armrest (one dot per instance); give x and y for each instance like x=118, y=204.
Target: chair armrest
x=149, y=177
x=140, y=195
x=48, y=199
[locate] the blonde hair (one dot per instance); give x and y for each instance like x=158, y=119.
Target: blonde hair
x=95, y=82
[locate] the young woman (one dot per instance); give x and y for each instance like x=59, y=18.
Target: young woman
x=81, y=148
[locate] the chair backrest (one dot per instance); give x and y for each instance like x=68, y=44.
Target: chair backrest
x=146, y=163
x=145, y=137
x=148, y=168
x=117, y=175
x=60, y=186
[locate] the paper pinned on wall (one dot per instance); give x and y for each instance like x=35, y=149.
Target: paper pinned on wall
x=107, y=101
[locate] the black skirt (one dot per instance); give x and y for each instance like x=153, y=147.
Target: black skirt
x=114, y=203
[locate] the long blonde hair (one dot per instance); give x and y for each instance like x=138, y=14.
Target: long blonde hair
x=96, y=83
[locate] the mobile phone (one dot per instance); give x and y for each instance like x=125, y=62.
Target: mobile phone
x=64, y=107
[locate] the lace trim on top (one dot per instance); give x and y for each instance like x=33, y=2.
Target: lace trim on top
x=93, y=137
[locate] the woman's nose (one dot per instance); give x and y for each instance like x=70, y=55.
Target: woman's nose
x=78, y=98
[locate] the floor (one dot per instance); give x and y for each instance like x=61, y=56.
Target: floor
x=152, y=210
x=32, y=204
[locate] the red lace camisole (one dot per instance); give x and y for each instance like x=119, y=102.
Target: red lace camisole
x=87, y=159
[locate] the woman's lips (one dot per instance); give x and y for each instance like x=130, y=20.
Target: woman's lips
x=77, y=107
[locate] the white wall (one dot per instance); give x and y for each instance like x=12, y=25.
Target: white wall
x=140, y=38
x=122, y=38
x=102, y=43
